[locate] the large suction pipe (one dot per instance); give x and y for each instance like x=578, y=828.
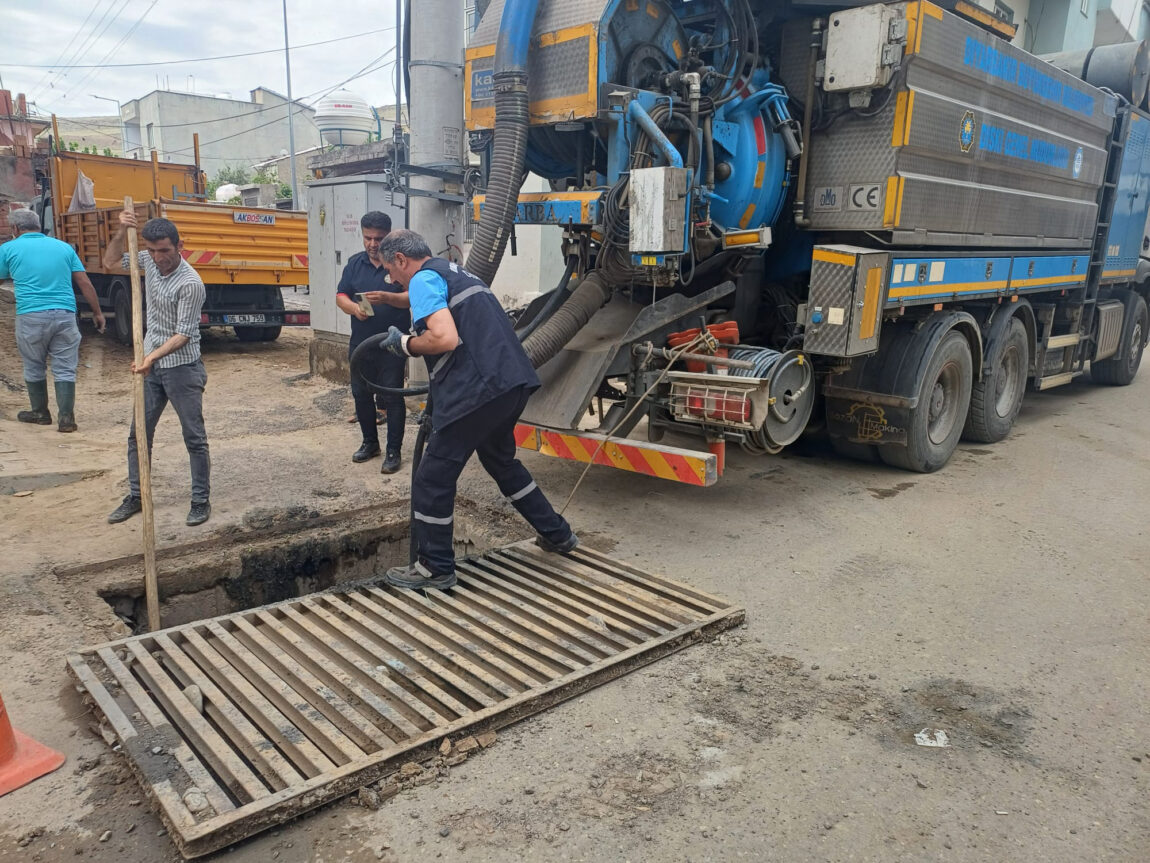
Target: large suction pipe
x=1123, y=68
x=555, y=332
x=510, y=145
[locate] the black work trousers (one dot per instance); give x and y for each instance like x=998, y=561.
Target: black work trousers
x=489, y=432
x=387, y=371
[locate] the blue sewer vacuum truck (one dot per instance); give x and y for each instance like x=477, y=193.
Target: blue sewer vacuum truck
x=909, y=221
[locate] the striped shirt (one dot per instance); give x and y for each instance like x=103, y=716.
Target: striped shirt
x=174, y=305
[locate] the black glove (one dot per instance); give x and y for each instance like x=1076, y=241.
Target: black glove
x=396, y=342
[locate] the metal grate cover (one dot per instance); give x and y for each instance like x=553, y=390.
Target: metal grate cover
x=238, y=723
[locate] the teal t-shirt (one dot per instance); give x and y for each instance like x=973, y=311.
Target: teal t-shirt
x=427, y=294
x=42, y=269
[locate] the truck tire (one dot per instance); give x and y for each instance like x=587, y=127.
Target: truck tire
x=121, y=313
x=1119, y=370
x=996, y=399
x=270, y=334
x=937, y=420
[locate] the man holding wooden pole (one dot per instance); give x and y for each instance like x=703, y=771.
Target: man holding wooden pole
x=171, y=362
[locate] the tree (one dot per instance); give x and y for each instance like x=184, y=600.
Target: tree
x=227, y=174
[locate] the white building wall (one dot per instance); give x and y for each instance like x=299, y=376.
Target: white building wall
x=231, y=132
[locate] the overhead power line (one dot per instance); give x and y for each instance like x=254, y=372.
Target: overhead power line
x=193, y=59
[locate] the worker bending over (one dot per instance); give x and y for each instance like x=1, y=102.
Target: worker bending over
x=480, y=382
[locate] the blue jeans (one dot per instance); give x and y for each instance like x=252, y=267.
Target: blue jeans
x=183, y=386
x=51, y=334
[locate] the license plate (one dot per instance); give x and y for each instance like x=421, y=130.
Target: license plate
x=244, y=319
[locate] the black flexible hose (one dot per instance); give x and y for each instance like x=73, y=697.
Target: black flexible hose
x=553, y=302
x=362, y=357
x=507, y=157
x=554, y=334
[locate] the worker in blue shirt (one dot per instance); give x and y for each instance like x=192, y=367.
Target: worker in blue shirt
x=480, y=382
x=365, y=276
x=46, y=273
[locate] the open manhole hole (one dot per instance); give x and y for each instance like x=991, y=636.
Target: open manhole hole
x=284, y=560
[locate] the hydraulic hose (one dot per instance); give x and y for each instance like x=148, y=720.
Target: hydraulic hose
x=510, y=145
x=361, y=358
x=554, y=333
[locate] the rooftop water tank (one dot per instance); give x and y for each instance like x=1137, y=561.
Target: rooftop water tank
x=343, y=118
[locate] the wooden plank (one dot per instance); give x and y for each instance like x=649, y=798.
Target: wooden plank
x=578, y=607
x=331, y=724
x=352, y=688
x=212, y=749
x=96, y=690
x=678, y=591
x=196, y=772
x=339, y=617
x=275, y=724
x=638, y=604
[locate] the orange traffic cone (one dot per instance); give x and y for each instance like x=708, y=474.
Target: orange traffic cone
x=22, y=759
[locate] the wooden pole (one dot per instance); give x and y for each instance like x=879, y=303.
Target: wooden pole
x=143, y=456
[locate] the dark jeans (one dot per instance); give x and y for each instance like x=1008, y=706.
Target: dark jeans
x=490, y=432
x=388, y=372
x=183, y=386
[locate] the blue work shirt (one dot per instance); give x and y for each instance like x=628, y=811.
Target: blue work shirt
x=427, y=293
x=42, y=269
x=359, y=277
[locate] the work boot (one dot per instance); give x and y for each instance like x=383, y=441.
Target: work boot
x=128, y=507
x=565, y=547
x=38, y=397
x=66, y=405
x=368, y=450
x=199, y=513
x=419, y=577
x=391, y=462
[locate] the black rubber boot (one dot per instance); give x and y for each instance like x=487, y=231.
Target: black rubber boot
x=66, y=405
x=38, y=397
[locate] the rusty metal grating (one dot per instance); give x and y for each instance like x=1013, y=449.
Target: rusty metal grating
x=240, y=722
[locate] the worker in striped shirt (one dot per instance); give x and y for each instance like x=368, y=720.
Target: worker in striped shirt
x=174, y=294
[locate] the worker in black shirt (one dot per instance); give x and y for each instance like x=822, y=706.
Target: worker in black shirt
x=365, y=277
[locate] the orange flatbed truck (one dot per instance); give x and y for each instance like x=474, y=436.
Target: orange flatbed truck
x=245, y=255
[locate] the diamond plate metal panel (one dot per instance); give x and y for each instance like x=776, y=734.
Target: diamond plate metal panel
x=553, y=15
x=986, y=145
x=831, y=300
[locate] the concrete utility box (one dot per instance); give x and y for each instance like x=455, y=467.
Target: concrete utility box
x=335, y=206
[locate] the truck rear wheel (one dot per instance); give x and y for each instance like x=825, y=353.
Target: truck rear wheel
x=1120, y=370
x=122, y=313
x=938, y=417
x=996, y=399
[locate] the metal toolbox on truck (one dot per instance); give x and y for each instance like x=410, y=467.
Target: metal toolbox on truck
x=972, y=143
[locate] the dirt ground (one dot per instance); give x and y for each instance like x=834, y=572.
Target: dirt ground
x=1003, y=600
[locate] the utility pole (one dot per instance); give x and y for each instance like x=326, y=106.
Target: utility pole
x=291, y=111
x=120, y=117
x=435, y=109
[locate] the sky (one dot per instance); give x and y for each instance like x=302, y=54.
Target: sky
x=103, y=32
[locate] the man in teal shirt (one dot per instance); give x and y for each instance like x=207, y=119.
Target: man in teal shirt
x=46, y=272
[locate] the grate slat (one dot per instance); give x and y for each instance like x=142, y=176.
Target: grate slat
x=307, y=700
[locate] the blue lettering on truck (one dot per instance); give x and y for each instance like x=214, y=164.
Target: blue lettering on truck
x=1032, y=79
x=1005, y=142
